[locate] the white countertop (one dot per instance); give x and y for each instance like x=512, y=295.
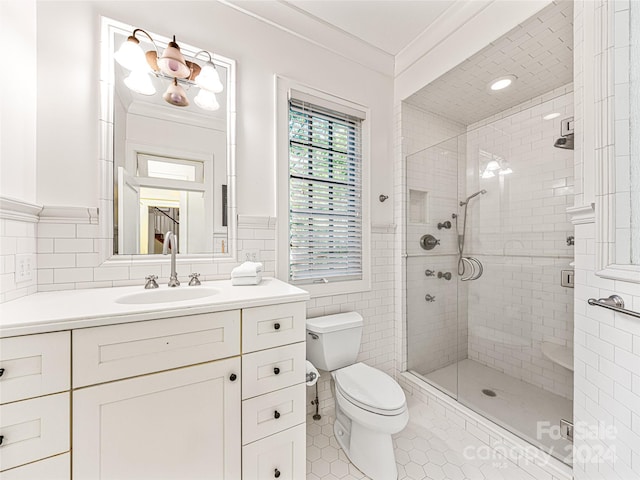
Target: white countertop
x=68, y=309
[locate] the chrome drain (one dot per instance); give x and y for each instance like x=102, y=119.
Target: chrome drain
x=489, y=393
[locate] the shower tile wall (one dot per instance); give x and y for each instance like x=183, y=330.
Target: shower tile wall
x=433, y=336
x=518, y=231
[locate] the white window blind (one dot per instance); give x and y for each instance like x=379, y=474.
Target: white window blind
x=325, y=190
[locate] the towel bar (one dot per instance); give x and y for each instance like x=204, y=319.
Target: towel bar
x=615, y=303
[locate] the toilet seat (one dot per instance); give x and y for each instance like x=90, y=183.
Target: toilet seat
x=370, y=389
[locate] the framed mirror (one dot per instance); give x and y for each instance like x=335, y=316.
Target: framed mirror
x=618, y=166
x=172, y=145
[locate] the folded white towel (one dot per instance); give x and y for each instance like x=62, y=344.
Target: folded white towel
x=247, y=269
x=254, y=280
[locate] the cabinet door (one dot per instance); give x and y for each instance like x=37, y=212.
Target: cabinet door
x=280, y=456
x=179, y=424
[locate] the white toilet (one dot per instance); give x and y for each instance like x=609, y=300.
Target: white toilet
x=370, y=405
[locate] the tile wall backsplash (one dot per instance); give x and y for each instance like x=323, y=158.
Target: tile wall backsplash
x=17, y=240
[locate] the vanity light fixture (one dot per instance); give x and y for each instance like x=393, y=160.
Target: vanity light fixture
x=502, y=82
x=172, y=66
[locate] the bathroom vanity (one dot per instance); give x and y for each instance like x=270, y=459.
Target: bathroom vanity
x=126, y=383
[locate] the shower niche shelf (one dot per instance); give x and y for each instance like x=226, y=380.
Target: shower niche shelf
x=418, y=206
x=558, y=354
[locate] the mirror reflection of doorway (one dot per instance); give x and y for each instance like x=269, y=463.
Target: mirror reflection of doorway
x=161, y=220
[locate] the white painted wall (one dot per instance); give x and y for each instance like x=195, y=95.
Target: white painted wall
x=18, y=100
x=68, y=104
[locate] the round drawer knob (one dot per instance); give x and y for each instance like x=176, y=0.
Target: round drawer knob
x=233, y=377
x=276, y=326
x=276, y=370
x=276, y=414
x=276, y=474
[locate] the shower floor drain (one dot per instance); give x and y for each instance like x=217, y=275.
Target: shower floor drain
x=489, y=393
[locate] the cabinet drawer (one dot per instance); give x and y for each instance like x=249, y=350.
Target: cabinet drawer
x=273, y=412
x=282, y=453
x=34, y=365
x=112, y=352
x=34, y=429
x=273, y=369
x=273, y=326
x=54, y=468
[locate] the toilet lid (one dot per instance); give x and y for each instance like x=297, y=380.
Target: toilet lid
x=370, y=389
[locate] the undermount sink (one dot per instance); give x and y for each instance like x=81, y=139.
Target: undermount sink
x=167, y=295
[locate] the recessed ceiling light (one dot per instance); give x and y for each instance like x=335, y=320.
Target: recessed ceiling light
x=551, y=116
x=502, y=82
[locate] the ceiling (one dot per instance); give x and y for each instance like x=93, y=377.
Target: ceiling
x=539, y=52
x=389, y=25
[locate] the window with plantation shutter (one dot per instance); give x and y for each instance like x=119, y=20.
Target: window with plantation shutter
x=325, y=194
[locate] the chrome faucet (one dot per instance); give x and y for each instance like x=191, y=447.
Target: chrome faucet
x=171, y=241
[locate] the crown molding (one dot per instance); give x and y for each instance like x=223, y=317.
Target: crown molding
x=286, y=17
x=21, y=211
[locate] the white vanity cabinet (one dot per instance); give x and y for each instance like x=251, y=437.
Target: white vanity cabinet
x=211, y=390
x=34, y=406
x=274, y=392
x=178, y=417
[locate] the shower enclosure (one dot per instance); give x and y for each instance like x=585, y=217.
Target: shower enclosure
x=488, y=321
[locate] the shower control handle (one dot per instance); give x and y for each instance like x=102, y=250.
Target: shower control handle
x=429, y=273
x=430, y=298
x=445, y=275
x=429, y=242
x=446, y=225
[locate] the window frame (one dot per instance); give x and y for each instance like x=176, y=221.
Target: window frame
x=284, y=88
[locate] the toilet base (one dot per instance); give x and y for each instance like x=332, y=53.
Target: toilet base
x=371, y=452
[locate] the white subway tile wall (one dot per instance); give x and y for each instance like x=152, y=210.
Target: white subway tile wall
x=17, y=237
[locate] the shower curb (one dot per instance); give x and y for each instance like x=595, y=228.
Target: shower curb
x=540, y=466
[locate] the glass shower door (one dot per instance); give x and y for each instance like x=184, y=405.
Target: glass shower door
x=435, y=343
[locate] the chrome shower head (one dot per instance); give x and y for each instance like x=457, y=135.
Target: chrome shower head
x=565, y=142
x=479, y=192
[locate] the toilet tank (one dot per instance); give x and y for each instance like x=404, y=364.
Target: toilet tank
x=333, y=341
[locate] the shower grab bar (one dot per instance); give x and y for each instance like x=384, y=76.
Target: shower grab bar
x=615, y=303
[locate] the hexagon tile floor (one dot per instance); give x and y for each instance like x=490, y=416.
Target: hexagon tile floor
x=430, y=448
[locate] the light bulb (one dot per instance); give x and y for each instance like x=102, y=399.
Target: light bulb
x=131, y=56
x=493, y=165
x=209, y=79
x=140, y=82
x=207, y=100
x=175, y=95
x=172, y=62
